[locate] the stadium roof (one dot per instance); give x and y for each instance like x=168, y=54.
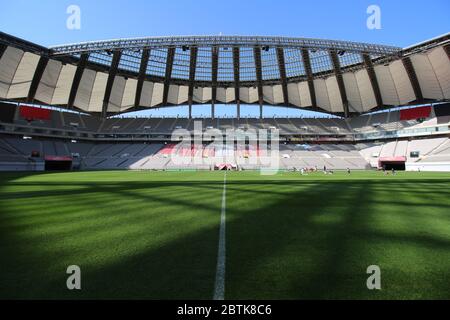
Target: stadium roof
x=115, y=76
x=222, y=41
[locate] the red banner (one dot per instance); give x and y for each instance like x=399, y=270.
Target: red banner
x=392, y=159
x=415, y=113
x=58, y=158
x=31, y=113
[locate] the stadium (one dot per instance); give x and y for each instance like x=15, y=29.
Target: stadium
x=140, y=203
x=356, y=82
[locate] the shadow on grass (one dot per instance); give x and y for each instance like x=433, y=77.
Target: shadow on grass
x=276, y=249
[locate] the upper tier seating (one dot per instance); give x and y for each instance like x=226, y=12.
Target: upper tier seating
x=370, y=123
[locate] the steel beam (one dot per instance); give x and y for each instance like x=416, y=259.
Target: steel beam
x=258, y=66
x=224, y=41
x=373, y=79
x=236, y=66
x=282, y=68
x=192, y=68
x=141, y=76
x=413, y=78
x=338, y=73
x=168, y=74
x=447, y=50
x=77, y=79
x=309, y=75
x=214, y=71
x=42, y=64
x=2, y=49
x=22, y=44
x=109, y=84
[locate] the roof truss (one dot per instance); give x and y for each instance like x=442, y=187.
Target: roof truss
x=230, y=41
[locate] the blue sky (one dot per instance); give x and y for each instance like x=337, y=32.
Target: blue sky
x=403, y=23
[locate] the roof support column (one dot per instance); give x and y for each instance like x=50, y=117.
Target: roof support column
x=2, y=49
x=236, y=65
x=373, y=79
x=213, y=107
x=168, y=74
x=340, y=80
x=109, y=84
x=258, y=66
x=42, y=64
x=413, y=78
x=141, y=76
x=282, y=68
x=309, y=75
x=77, y=79
x=192, y=67
x=447, y=50
x=214, y=70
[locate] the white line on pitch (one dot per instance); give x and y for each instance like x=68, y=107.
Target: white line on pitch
x=219, y=288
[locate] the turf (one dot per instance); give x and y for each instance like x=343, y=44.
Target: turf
x=155, y=234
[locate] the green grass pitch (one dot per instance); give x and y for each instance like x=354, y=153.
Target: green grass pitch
x=155, y=234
